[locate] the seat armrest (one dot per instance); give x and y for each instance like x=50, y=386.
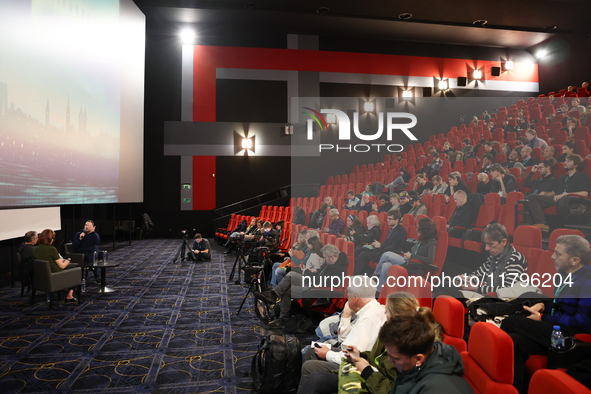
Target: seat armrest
x=77, y=258
x=65, y=279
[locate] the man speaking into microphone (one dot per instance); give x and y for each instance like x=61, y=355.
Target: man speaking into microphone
x=87, y=242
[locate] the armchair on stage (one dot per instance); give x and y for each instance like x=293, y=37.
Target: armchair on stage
x=77, y=258
x=45, y=280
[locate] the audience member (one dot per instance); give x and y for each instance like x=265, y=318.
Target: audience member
x=367, y=237
x=576, y=105
x=396, y=236
x=364, y=204
x=568, y=148
x=337, y=226
x=299, y=254
x=405, y=206
x=512, y=159
x=483, y=185
x=502, y=182
x=546, y=184
x=439, y=186
x=399, y=181
x=466, y=146
x=394, y=200
x=549, y=152
x=435, y=165
x=417, y=206
x=201, y=249
x=488, y=148
x=368, y=190
x=422, y=184
x=385, y=204
x=534, y=141
x=570, y=126
x=570, y=309
x=573, y=182
x=26, y=248
x=446, y=148
x=528, y=160
x=456, y=183
x=423, y=251
x=317, y=218
x=487, y=160
x=352, y=200
x=462, y=216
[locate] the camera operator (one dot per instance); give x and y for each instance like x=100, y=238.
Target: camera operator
x=200, y=249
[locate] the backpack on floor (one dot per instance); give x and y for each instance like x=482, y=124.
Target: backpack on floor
x=277, y=365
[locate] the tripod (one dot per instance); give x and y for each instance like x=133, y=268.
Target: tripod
x=239, y=262
x=258, y=282
x=181, y=255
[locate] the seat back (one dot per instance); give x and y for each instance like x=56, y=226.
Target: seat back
x=399, y=276
x=449, y=312
x=548, y=381
x=488, y=363
x=528, y=241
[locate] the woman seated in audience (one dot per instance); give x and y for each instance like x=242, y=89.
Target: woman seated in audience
x=353, y=225
x=376, y=372
x=368, y=190
x=447, y=147
x=506, y=149
x=484, y=184
x=424, y=251
x=298, y=254
x=328, y=200
x=46, y=251
x=316, y=258
x=452, y=157
x=373, y=232
x=317, y=218
x=251, y=227
x=299, y=216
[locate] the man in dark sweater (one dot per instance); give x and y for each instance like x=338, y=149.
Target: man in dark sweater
x=547, y=183
x=573, y=182
x=512, y=159
x=87, y=242
x=462, y=216
x=26, y=248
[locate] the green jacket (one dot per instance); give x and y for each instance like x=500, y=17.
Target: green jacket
x=380, y=382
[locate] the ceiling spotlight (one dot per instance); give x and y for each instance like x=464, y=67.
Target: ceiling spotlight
x=407, y=94
x=187, y=36
x=246, y=143
x=477, y=74
x=369, y=106
x=541, y=53
x=323, y=10
x=443, y=85
x=480, y=22
x=404, y=16
x=508, y=65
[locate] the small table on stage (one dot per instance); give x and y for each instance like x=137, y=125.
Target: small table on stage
x=103, y=267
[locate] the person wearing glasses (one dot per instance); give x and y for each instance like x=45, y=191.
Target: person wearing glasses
x=46, y=251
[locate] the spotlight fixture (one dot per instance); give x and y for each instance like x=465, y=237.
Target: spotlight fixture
x=288, y=129
x=508, y=65
x=541, y=53
x=407, y=94
x=443, y=84
x=405, y=16
x=187, y=36
x=480, y=22
x=323, y=10
x=477, y=74
x=369, y=106
x=331, y=118
x=246, y=143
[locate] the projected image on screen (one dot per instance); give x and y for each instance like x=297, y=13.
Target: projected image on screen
x=60, y=99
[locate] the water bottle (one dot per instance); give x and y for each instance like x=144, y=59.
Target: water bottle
x=83, y=285
x=94, y=259
x=105, y=257
x=557, y=339
x=47, y=297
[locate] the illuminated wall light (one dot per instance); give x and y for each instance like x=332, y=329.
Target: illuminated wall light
x=508, y=65
x=331, y=118
x=541, y=53
x=369, y=106
x=477, y=74
x=407, y=94
x=443, y=84
x=187, y=36
x=246, y=143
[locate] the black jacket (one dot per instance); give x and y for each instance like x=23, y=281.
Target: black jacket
x=462, y=216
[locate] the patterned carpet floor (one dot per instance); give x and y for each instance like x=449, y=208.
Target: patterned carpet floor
x=168, y=327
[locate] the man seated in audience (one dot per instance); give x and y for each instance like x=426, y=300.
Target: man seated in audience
x=417, y=206
x=201, y=249
x=422, y=184
x=26, y=248
x=576, y=105
x=432, y=150
x=503, y=262
x=485, y=116
x=424, y=366
x=563, y=110
x=396, y=236
x=520, y=143
x=487, y=160
x=548, y=152
x=87, y=242
x=507, y=128
x=484, y=184
x=462, y=216
x=385, y=204
x=570, y=309
x=456, y=183
x=364, y=204
x=528, y=160
x=534, y=141
x=488, y=148
x=435, y=165
x=466, y=146
x=337, y=225
x=522, y=122
x=405, y=206
x=399, y=181
x=570, y=126
x=352, y=200
x=502, y=182
x=439, y=186
x=546, y=184
x=335, y=264
x=512, y=159
x=568, y=148
x=573, y=182
x=368, y=190
x=362, y=332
